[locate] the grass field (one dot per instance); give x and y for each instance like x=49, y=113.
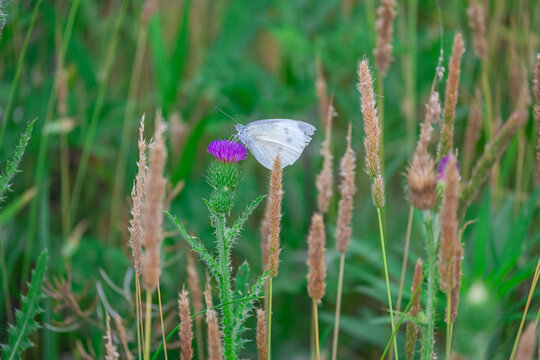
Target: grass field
x=443, y=103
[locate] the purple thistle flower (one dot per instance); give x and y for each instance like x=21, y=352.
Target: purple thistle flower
x=441, y=169
x=227, y=151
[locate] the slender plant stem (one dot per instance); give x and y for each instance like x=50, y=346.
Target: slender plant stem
x=448, y=326
x=148, y=326
x=427, y=339
x=134, y=82
x=389, y=343
x=338, y=306
x=269, y=318
x=533, y=286
x=161, y=319
x=138, y=312
x=18, y=70
x=175, y=330
x=387, y=280
x=316, y=322
x=403, y=268
x=44, y=140
x=92, y=128
x=405, y=259
x=5, y=282
x=225, y=290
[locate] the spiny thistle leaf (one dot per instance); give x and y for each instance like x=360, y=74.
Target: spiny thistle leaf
x=239, y=225
x=198, y=247
x=12, y=166
x=25, y=318
x=243, y=309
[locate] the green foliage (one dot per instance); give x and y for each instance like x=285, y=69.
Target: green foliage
x=223, y=178
x=25, y=318
x=12, y=166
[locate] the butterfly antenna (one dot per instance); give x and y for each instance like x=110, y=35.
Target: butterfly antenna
x=229, y=116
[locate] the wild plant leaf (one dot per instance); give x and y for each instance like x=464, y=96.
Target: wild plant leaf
x=240, y=222
x=241, y=280
x=12, y=166
x=208, y=259
x=25, y=322
x=244, y=309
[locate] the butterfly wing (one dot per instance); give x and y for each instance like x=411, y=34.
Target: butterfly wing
x=268, y=138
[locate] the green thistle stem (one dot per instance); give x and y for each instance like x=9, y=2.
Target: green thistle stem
x=225, y=288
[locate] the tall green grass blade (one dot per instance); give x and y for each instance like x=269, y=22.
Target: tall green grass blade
x=25, y=318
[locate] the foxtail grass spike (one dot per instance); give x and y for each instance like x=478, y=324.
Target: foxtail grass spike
x=275, y=196
x=485, y=163
x=154, y=187
x=421, y=173
x=316, y=249
x=384, y=26
x=262, y=349
x=446, y=141
x=346, y=203
x=214, y=334
x=186, y=327
x=477, y=22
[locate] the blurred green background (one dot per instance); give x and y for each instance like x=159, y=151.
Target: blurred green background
x=113, y=61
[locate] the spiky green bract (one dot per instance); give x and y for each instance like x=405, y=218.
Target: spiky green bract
x=223, y=178
x=12, y=166
x=233, y=314
x=25, y=318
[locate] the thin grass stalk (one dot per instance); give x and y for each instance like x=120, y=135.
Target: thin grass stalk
x=338, y=306
x=138, y=314
x=427, y=338
x=18, y=70
x=148, y=325
x=316, y=323
x=43, y=144
x=161, y=320
x=100, y=99
x=134, y=82
x=449, y=324
x=531, y=292
x=5, y=284
x=269, y=318
x=404, y=261
x=387, y=279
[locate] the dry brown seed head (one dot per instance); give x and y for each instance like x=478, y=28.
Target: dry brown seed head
x=383, y=52
x=371, y=121
x=346, y=203
x=137, y=196
x=449, y=223
x=316, y=249
x=276, y=194
x=446, y=141
x=186, y=327
x=262, y=341
x=475, y=12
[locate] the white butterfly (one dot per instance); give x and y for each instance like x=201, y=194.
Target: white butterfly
x=268, y=138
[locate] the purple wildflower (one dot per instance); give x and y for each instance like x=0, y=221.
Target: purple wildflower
x=227, y=151
x=441, y=169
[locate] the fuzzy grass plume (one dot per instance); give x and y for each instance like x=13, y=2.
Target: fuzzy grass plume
x=383, y=52
x=446, y=141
